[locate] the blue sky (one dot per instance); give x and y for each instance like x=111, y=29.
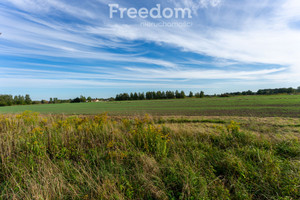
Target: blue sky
x=60, y=48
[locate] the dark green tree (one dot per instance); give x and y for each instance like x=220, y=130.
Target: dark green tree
x=82, y=98
x=141, y=96
x=201, y=94
x=149, y=95
x=89, y=99
x=135, y=96
x=177, y=94
x=182, y=95
x=131, y=96
x=28, y=99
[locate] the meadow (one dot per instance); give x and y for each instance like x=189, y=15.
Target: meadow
x=260, y=106
x=144, y=157
x=212, y=148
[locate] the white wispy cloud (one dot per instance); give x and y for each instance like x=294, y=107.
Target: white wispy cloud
x=261, y=41
x=244, y=33
x=195, y=5
x=42, y=6
x=140, y=76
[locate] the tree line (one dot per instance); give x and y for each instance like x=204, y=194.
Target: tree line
x=81, y=99
x=289, y=90
x=9, y=100
x=278, y=91
x=156, y=95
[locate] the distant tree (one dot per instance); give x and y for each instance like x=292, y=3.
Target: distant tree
x=249, y=92
x=182, y=95
x=177, y=94
x=89, y=99
x=201, y=94
x=154, y=95
x=170, y=95
x=82, y=98
x=21, y=100
x=131, y=96
x=191, y=94
x=2, y=103
x=163, y=95
x=225, y=95
x=44, y=102
x=15, y=100
x=51, y=100
x=158, y=95
x=141, y=96
x=6, y=100
x=149, y=95
x=35, y=102
x=125, y=97
x=76, y=100
x=291, y=90
x=55, y=100
x=28, y=99
x=135, y=96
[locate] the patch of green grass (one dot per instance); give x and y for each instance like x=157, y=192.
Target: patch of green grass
x=261, y=106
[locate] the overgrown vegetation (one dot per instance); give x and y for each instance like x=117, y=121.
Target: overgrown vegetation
x=99, y=157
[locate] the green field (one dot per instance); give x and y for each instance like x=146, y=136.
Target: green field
x=260, y=106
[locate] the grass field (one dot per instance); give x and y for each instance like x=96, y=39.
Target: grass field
x=213, y=148
x=101, y=157
x=260, y=106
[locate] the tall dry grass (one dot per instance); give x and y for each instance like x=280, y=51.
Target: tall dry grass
x=98, y=157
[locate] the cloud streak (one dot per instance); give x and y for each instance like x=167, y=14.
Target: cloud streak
x=75, y=43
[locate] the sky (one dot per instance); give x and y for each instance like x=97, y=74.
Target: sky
x=60, y=48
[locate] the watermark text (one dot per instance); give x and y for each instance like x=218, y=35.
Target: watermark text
x=156, y=12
